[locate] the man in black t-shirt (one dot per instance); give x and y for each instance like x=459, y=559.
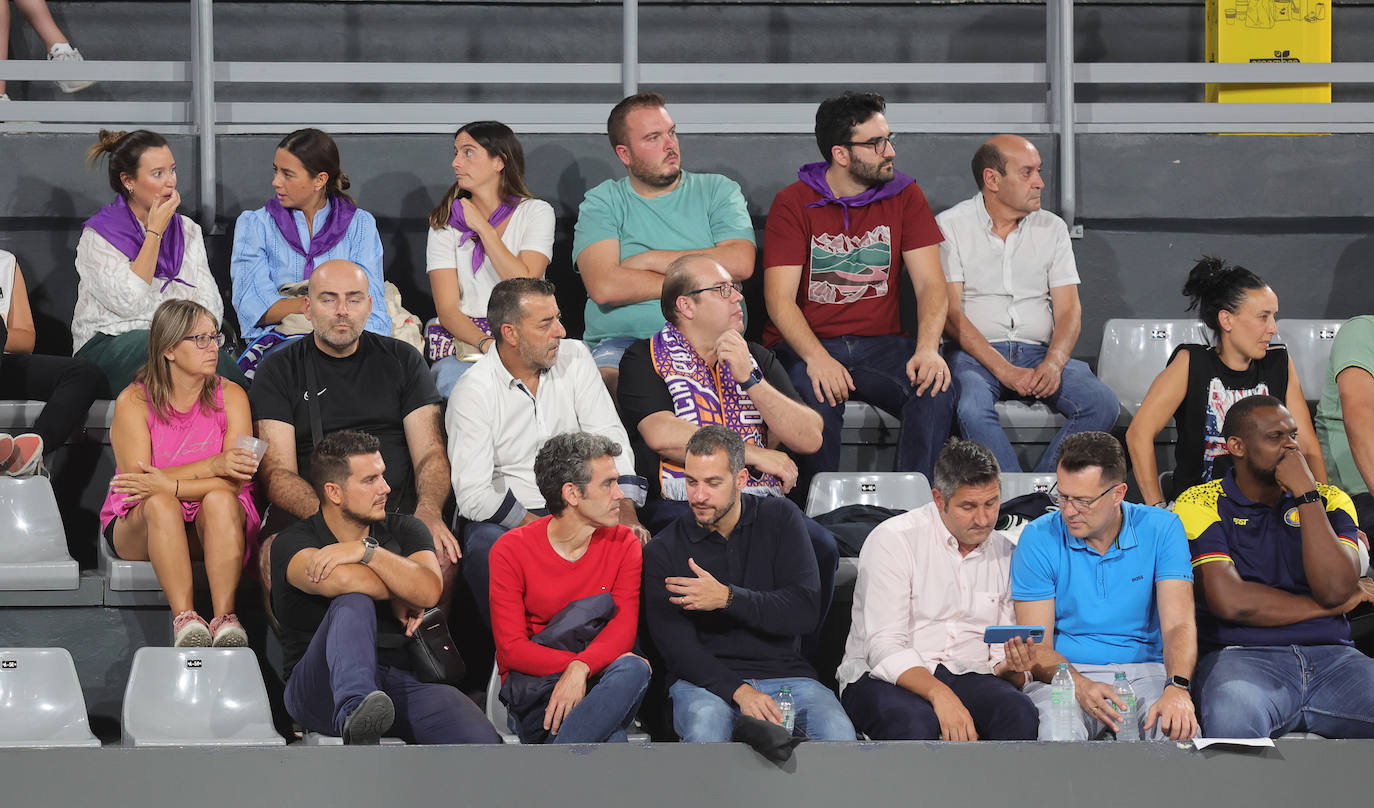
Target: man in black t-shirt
x=699, y=370
x=362, y=381
x=349, y=586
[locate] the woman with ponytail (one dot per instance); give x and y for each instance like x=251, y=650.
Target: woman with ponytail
x=309, y=220
x=488, y=228
x=1201, y=382
x=135, y=253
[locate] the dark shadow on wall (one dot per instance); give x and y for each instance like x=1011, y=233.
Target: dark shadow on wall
x=1352, y=292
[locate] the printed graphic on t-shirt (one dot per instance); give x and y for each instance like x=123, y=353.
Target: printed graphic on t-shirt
x=847, y=268
x=1219, y=400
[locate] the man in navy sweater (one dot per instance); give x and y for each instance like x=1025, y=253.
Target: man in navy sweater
x=728, y=592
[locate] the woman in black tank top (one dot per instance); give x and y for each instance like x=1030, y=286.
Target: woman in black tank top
x=1201, y=382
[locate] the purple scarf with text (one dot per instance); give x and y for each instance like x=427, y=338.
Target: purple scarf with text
x=341, y=210
x=117, y=224
x=457, y=221
x=813, y=175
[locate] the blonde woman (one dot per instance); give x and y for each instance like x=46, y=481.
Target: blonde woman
x=181, y=490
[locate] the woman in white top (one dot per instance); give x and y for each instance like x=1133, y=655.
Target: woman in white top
x=135, y=253
x=488, y=228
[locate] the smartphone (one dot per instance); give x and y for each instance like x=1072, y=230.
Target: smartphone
x=996, y=635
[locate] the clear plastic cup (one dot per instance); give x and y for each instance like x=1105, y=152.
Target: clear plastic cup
x=252, y=444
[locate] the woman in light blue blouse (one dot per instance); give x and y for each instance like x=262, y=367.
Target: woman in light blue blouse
x=310, y=220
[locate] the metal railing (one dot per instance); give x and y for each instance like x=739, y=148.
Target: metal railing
x=1060, y=114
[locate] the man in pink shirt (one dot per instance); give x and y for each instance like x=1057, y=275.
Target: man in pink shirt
x=930, y=581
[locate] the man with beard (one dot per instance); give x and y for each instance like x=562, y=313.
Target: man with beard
x=930, y=582
x=1110, y=582
x=728, y=591
x=1275, y=555
x=1014, y=313
x=533, y=386
x=349, y=585
x=837, y=243
x=629, y=230
x=342, y=377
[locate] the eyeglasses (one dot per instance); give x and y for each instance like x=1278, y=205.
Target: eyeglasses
x=204, y=341
x=1079, y=504
x=725, y=290
x=877, y=144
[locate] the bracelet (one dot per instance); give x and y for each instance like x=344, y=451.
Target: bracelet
x=729, y=595
x=481, y=342
x=152, y=232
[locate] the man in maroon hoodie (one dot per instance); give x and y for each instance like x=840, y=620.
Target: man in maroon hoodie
x=836, y=244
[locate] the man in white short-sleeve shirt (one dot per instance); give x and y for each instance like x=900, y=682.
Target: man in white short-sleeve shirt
x=534, y=385
x=1014, y=313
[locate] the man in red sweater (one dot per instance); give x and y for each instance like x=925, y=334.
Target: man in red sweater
x=588, y=688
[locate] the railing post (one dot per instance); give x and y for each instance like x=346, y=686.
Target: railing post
x=203, y=92
x=629, y=57
x=1059, y=30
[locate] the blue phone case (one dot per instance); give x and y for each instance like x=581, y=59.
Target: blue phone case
x=996, y=635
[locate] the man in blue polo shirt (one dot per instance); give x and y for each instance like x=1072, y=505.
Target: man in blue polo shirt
x=1110, y=582
x=1275, y=554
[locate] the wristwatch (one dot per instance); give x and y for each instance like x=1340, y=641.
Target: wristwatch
x=755, y=376
x=1310, y=496
x=1180, y=681
x=370, y=546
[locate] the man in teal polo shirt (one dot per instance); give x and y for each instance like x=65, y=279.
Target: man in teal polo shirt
x=1112, y=584
x=629, y=230
x=1345, y=415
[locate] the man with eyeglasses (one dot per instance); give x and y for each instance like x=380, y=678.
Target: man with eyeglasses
x=1014, y=313
x=342, y=377
x=837, y=244
x=629, y=230
x=699, y=370
x=1111, y=583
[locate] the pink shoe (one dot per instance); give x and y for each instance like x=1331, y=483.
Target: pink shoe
x=26, y=456
x=228, y=632
x=189, y=630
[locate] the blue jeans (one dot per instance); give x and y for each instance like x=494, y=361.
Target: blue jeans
x=699, y=716
x=609, y=707
x=340, y=667
x=607, y=352
x=1267, y=691
x=446, y=373
x=1088, y=403
x=886, y=712
x=878, y=367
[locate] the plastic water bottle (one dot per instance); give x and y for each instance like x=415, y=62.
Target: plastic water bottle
x=1128, y=719
x=1063, y=705
x=788, y=708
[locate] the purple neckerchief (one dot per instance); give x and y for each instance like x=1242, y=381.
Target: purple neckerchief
x=457, y=222
x=813, y=174
x=117, y=224
x=341, y=210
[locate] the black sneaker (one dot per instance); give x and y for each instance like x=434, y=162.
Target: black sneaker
x=369, y=720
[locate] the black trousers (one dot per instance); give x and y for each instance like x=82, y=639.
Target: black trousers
x=68, y=385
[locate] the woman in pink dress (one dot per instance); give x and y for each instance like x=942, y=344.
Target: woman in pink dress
x=181, y=490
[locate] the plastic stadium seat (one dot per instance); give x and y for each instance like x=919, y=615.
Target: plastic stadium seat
x=135, y=576
x=33, y=553
x=868, y=438
x=309, y=738
x=1020, y=483
x=1029, y=421
x=1135, y=351
x=197, y=697
x=1309, y=346
x=40, y=700
x=890, y=489
x=496, y=714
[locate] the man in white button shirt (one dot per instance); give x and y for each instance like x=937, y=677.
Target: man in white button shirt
x=533, y=386
x=1014, y=313
x=930, y=581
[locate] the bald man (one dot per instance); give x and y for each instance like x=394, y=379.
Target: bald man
x=349, y=378
x=1014, y=313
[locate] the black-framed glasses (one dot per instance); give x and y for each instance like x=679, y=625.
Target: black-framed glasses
x=1079, y=504
x=204, y=341
x=877, y=144
x=724, y=289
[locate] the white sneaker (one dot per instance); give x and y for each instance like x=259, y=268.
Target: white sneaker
x=4, y=97
x=61, y=53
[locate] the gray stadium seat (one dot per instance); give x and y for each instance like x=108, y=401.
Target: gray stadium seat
x=890, y=489
x=197, y=697
x=868, y=438
x=135, y=576
x=1135, y=351
x=1020, y=483
x=40, y=700
x=33, y=552
x=309, y=738
x=1309, y=346
x=496, y=714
